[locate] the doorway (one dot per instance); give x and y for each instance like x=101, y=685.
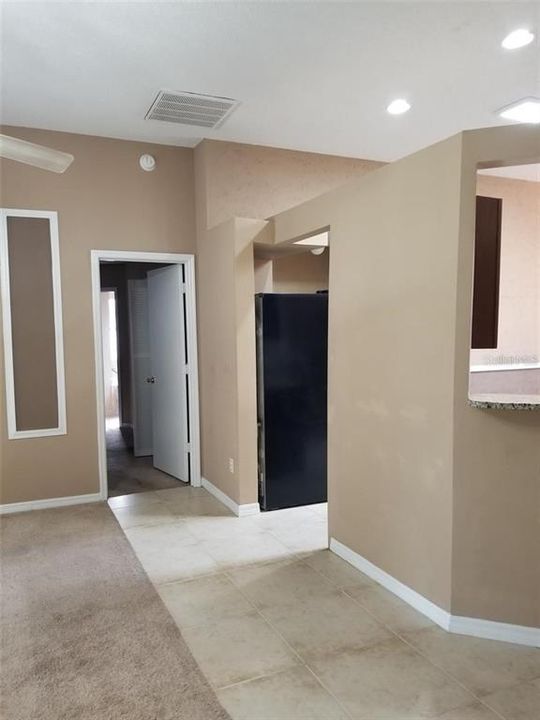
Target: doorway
x=291, y=310
x=146, y=371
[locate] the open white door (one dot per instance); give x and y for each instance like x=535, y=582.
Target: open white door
x=141, y=391
x=168, y=378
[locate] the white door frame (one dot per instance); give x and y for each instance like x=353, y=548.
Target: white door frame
x=188, y=261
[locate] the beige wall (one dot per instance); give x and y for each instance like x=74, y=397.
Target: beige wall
x=227, y=322
x=103, y=201
x=519, y=298
x=441, y=495
x=391, y=316
x=257, y=182
x=305, y=273
x=302, y=273
x=264, y=281
x=250, y=182
x=496, y=536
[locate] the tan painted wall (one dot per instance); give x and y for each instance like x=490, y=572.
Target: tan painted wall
x=227, y=321
x=217, y=370
x=250, y=182
x=305, y=273
x=103, y=201
x=263, y=275
x=257, y=182
x=519, y=298
x=442, y=496
x=496, y=535
x=390, y=446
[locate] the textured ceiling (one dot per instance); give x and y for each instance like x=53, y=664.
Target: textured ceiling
x=310, y=76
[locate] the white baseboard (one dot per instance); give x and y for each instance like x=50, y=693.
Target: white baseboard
x=491, y=630
x=239, y=510
x=410, y=596
x=476, y=627
x=49, y=503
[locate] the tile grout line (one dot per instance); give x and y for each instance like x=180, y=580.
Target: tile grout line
x=216, y=688
x=343, y=591
x=181, y=581
x=296, y=556
x=497, y=712
x=224, y=571
x=417, y=650
x=478, y=698
x=251, y=679
x=324, y=687
x=291, y=648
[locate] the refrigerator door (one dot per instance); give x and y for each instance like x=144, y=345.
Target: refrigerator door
x=292, y=384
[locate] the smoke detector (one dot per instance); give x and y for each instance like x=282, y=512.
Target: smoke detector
x=147, y=162
x=188, y=108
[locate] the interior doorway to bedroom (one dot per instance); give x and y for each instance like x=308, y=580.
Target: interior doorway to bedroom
x=148, y=397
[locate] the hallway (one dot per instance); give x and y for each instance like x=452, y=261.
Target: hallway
x=128, y=474
x=285, y=630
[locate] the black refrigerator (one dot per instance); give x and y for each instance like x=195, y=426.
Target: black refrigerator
x=292, y=342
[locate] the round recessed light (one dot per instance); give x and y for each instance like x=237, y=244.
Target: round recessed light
x=398, y=107
x=518, y=39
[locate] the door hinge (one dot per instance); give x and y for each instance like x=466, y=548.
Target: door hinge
x=183, y=288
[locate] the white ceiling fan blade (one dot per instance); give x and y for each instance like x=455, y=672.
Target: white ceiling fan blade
x=37, y=155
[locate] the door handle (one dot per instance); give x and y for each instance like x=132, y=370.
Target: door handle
x=150, y=380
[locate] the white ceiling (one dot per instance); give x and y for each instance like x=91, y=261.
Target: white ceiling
x=529, y=172
x=310, y=76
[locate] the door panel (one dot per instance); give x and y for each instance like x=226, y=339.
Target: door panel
x=292, y=358
x=168, y=362
x=141, y=391
x=487, y=259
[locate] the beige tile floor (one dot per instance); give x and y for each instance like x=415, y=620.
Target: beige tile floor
x=285, y=630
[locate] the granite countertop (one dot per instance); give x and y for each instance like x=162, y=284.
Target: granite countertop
x=499, y=401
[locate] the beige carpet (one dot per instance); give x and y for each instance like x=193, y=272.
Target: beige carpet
x=84, y=634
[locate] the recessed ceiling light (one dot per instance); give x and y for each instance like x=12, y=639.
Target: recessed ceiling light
x=518, y=39
x=398, y=107
x=523, y=111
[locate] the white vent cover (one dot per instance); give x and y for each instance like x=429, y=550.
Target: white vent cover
x=191, y=109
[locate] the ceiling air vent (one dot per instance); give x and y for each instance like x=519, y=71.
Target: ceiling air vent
x=191, y=109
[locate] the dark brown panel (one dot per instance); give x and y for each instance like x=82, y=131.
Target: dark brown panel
x=32, y=323
x=487, y=259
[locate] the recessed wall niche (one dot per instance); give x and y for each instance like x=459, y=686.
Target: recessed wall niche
x=32, y=324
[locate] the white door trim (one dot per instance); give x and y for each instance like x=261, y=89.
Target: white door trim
x=188, y=261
